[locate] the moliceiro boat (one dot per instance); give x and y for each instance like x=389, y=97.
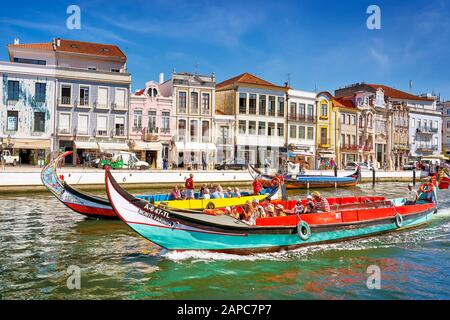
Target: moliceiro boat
x=99, y=207
x=351, y=217
x=303, y=181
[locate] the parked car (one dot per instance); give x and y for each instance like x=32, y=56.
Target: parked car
x=363, y=165
x=236, y=164
x=410, y=165
x=9, y=159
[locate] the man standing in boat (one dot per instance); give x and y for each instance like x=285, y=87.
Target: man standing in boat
x=190, y=187
x=322, y=204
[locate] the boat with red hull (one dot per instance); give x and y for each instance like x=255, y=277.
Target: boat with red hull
x=350, y=217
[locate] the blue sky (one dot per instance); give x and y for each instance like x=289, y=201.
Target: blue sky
x=320, y=44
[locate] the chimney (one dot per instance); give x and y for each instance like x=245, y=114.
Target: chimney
x=57, y=42
x=161, y=78
x=16, y=41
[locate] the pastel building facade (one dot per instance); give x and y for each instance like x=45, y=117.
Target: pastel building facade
x=27, y=110
x=260, y=116
x=325, y=129
x=446, y=128
x=151, y=124
x=193, y=105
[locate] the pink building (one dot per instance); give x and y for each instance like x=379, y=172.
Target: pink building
x=150, y=124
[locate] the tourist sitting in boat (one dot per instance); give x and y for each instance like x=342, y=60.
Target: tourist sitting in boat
x=202, y=190
x=309, y=208
x=249, y=213
x=299, y=208
x=258, y=208
x=265, y=203
x=270, y=210
x=229, y=193
x=220, y=191
x=176, y=194
x=322, y=204
x=279, y=210
x=237, y=193
x=215, y=193
x=206, y=194
x=411, y=195
x=257, y=186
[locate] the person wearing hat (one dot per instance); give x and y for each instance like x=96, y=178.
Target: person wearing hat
x=229, y=193
x=259, y=209
x=279, y=210
x=411, y=196
x=270, y=210
x=322, y=204
x=309, y=208
x=299, y=208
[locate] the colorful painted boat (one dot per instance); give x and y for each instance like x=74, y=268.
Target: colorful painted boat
x=98, y=207
x=177, y=230
x=307, y=181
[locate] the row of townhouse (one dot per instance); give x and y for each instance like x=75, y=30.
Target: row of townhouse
x=76, y=96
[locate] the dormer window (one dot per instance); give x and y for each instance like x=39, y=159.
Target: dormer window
x=104, y=50
x=152, y=92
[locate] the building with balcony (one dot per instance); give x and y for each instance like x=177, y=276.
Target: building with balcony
x=193, y=107
x=92, y=93
x=445, y=110
x=259, y=111
x=150, y=124
x=302, y=127
x=325, y=130
x=224, y=126
x=27, y=110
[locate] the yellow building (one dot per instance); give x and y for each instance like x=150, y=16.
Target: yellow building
x=325, y=142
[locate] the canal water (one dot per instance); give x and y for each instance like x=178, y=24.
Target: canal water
x=40, y=238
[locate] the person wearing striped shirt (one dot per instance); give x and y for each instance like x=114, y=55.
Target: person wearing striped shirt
x=322, y=204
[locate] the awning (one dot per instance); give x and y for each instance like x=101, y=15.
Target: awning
x=106, y=146
x=195, y=146
x=142, y=145
x=293, y=153
x=86, y=145
x=30, y=144
x=326, y=155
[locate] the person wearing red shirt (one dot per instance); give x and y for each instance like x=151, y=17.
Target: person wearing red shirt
x=257, y=187
x=190, y=187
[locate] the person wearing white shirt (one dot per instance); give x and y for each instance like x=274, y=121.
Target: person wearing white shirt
x=411, y=196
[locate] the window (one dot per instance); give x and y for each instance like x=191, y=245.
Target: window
x=242, y=126
x=280, y=127
x=342, y=139
x=301, y=132
x=39, y=89
x=181, y=130
x=194, y=131
x=12, y=120
x=448, y=111
x=252, y=127
x=181, y=102
x=301, y=110
x=152, y=121
x=342, y=118
x=324, y=110
x=137, y=119
x=120, y=98
x=13, y=90
x=413, y=122
x=435, y=126
x=92, y=68
x=115, y=70
x=102, y=97
x=293, y=110
x=39, y=122
x=205, y=131
x=102, y=125
x=205, y=103
x=242, y=103
x=271, y=105
x=64, y=123
x=418, y=123
x=30, y=61
x=83, y=124
x=262, y=105
x=280, y=107
x=120, y=126
x=152, y=92
x=323, y=135
x=353, y=140
x=271, y=129
x=353, y=120
x=262, y=128
x=165, y=122
x=66, y=94
x=194, y=102
x=292, y=132
x=84, y=96
x=310, y=112
x=310, y=133
x=252, y=104
x=448, y=124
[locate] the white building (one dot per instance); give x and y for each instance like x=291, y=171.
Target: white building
x=301, y=126
x=446, y=127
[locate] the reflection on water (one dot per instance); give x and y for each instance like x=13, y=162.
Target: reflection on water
x=41, y=238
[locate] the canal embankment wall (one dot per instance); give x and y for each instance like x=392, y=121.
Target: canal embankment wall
x=29, y=179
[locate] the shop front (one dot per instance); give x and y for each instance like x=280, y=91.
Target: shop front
x=31, y=152
x=86, y=151
x=325, y=160
x=194, y=154
x=150, y=152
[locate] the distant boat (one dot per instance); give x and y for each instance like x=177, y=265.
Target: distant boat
x=303, y=181
x=99, y=207
x=351, y=217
